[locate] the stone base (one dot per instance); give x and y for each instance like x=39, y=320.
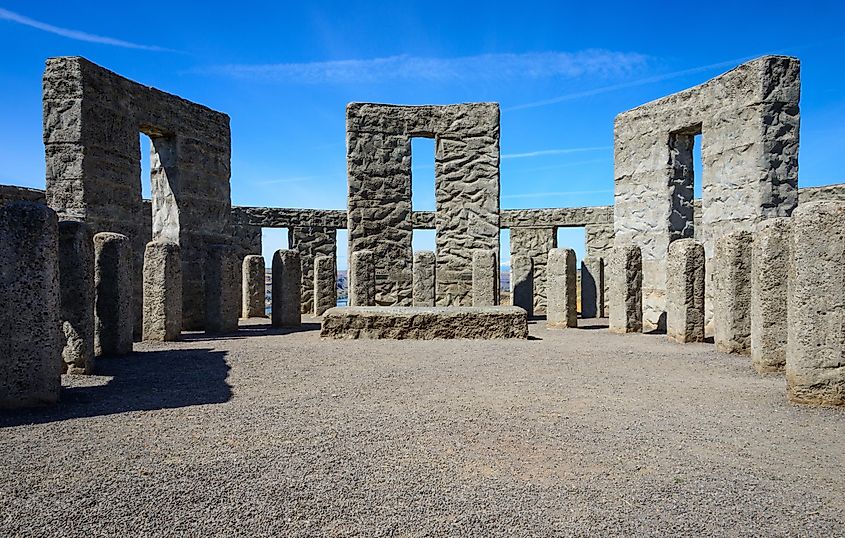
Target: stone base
x=425, y=323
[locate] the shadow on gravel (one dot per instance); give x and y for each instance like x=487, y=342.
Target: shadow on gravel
x=247, y=331
x=142, y=381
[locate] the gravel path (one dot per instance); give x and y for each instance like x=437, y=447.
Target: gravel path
x=575, y=432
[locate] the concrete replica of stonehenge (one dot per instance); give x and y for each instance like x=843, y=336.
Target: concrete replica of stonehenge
x=88, y=265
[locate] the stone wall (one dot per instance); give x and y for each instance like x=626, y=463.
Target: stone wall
x=311, y=242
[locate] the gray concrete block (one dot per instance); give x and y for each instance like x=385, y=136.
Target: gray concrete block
x=424, y=278
x=162, y=292
x=325, y=284
x=732, y=293
x=485, y=282
x=222, y=290
x=286, y=289
x=685, y=291
x=362, y=278
x=561, y=289
x=253, y=287
x=625, y=287
x=113, y=311
x=771, y=263
x=76, y=280
x=522, y=282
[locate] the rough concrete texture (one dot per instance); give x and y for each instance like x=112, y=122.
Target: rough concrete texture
x=535, y=242
x=252, y=300
x=485, y=278
x=424, y=273
x=113, y=307
x=311, y=242
x=162, y=291
x=625, y=280
x=749, y=120
x=362, y=278
x=286, y=292
x=732, y=293
x=222, y=289
x=815, y=370
x=425, y=323
x=325, y=284
x=771, y=268
x=76, y=284
x=592, y=288
x=522, y=283
x=562, y=309
x=30, y=330
x=685, y=291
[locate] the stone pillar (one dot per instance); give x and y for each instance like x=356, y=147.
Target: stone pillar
x=286, y=289
x=485, y=285
x=771, y=262
x=76, y=281
x=815, y=371
x=253, y=289
x=561, y=289
x=325, y=284
x=222, y=287
x=30, y=331
x=685, y=291
x=113, y=315
x=732, y=293
x=162, y=291
x=424, y=278
x=592, y=288
x=625, y=287
x=522, y=283
x=535, y=242
x=311, y=241
x=362, y=278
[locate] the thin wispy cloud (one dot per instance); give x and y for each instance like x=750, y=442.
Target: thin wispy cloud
x=546, y=152
x=296, y=179
x=78, y=35
x=552, y=193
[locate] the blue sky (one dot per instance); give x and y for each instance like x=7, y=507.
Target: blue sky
x=285, y=72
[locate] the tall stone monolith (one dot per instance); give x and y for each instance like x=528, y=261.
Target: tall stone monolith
x=222, y=290
x=485, y=285
x=424, y=285
x=625, y=287
x=325, y=284
x=253, y=290
x=732, y=293
x=113, y=314
x=592, y=287
x=286, y=285
x=685, y=291
x=76, y=281
x=561, y=289
x=162, y=292
x=771, y=262
x=362, y=278
x=522, y=282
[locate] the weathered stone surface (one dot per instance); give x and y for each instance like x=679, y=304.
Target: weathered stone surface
x=732, y=293
x=362, y=278
x=815, y=370
x=485, y=281
x=252, y=300
x=286, y=289
x=535, y=242
x=425, y=323
x=771, y=263
x=113, y=315
x=685, y=291
x=625, y=279
x=562, y=290
x=285, y=217
x=14, y=193
x=162, y=292
x=522, y=282
x=592, y=288
x=311, y=241
x=76, y=282
x=222, y=289
x=424, y=278
x=325, y=284
x=30, y=331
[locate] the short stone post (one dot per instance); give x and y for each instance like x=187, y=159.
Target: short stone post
x=222, y=290
x=685, y=291
x=815, y=371
x=76, y=280
x=592, y=287
x=362, y=278
x=561, y=289
x=285, y=310
x=732, y=293
x=485, y=288
x=771, y=262
x=424, y=278
x=325, y=284
x=113, y=315
x=253, y=287
x=625, y=287
x=162, y=292
x=30, y=330
x=522, y=282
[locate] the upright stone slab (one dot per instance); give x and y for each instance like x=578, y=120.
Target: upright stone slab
x=286, y=283
x=685, y=291
x=561, y=289
x=424, y=278
x=113, y=315
x=162, y=291
x=252, y=300
x=815, y=369
x=30, y=332
x=222, y=290
x=592, y=288
x=535, y=241
x=485, y=285
x=522, y=283
x=362, y=278
x=625, y=287
x=732, y=293
x=76, y=281
x=311, y=242
x=771, y=262
x=325, y=284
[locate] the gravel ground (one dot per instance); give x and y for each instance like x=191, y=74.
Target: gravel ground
x=273, y=433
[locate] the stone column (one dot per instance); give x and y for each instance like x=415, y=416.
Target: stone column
x=253, y=287
x=325, y=284
x=522, y=283
x=76, y=280
x=113, y=315
x=815, y=371
x=362, y=278
x=592, y=288
x=625, y=287
x=222, y=287
x=685, y=291
x=30, y=330
x=286, y=289
x=561, y=289
x=771, y=262
x=424, y=278
x=732, y=293
x=535, y=242
x=162, y=291
x=311, y=241
x=485, y=287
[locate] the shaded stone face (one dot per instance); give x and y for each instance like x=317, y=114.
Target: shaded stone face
x=252, y=300
x=625, y=277
x=325, y=284
x=732, y=293
x=424, y=278
x=286, y=289
x=113, y=311
x=685, y=291
x=222, y=289
x=771, y=271
x=522, y=283
x=485, y=281
x=562, y=289
x=162, y=292
x=311, y=242
x=76, y=281
x=362, y=279
x=535, y=242
x=592, y=288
